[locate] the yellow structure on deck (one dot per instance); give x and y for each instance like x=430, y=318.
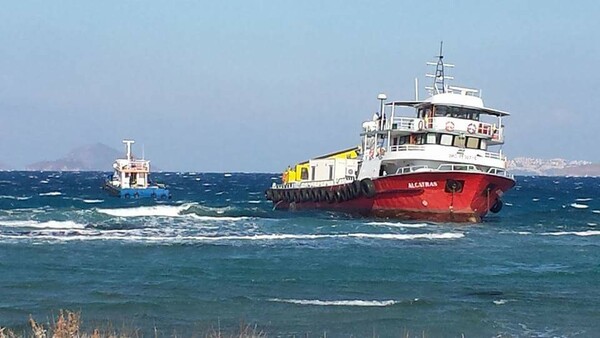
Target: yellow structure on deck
x=300, y=171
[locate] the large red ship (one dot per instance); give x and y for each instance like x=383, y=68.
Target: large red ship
x=437, y=164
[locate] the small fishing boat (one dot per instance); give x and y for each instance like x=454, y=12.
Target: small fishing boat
x=131, y=178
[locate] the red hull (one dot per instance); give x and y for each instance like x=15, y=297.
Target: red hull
x=431, y=196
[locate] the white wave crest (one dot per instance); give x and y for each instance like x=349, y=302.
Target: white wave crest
x=445, y=235
x=573, y=233
x=157, y=210
x=216, y=218
x=43, y=225
x=579, y=206
x=587, y=199
x=398, y=224
x=51, y=193
x=500, y=302
x=596, y=211
x=354, y=302
x=271, y=237
x=88, y=234
x=93, y=201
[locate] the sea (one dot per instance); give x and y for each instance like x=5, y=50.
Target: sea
x=218, y=258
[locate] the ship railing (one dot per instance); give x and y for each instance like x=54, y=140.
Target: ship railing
x=136, y=165
x=414, y=168
x=495, y=156
x=407, y=147
x=457, y=167
x=469, y=127
x=407, y=124
x=311, y=184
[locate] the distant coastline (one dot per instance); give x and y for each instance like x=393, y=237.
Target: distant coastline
x=99, y=157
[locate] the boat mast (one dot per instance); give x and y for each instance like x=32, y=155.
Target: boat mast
x=128, y=144
x=439, y=83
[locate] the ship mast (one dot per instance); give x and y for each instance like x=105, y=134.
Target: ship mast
x=128, y=148
x=439, y=78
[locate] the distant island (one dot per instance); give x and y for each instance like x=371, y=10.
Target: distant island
x=95, y=157
x=552, y=167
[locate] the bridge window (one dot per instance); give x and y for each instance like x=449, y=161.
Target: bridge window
x=446, y=140
x=431, y=138
x=459, y=141
x=457, y=112
x=483, y=145
x=472, y=142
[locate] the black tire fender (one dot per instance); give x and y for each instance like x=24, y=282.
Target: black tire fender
x=367, y=187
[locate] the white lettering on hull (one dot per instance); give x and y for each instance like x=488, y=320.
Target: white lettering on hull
x=414, y=185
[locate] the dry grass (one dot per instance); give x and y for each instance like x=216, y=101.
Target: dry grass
x=68, y=325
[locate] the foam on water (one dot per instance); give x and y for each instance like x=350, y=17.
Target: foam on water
x=157, y=210
x=43, y=225
x=587, y=199
x=92, y=201
x=354, y=302
x=579, y=206
x=51, y=193
x=173, y=236
x=398, y=224
x=573, y=233
x=217, y=218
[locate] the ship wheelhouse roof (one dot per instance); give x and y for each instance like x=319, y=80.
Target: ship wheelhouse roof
x=420, y=104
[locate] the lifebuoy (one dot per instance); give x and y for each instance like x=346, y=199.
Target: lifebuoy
x=449, y=126
x=471, y=128
x=421, y=125
x=367, y=187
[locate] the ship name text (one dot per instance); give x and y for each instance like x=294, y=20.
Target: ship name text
x=412, y=185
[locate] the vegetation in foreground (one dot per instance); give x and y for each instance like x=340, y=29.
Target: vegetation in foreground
x=68, y=325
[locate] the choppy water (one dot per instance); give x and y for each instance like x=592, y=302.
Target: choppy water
x=217, y=254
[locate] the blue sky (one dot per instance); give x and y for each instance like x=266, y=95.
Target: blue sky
x=258, y=85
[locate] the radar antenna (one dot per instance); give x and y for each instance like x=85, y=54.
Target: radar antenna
x=439, y=79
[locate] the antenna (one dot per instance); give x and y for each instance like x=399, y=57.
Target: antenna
x=439, y=83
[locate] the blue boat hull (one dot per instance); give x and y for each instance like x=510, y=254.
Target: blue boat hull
x=155, y=192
